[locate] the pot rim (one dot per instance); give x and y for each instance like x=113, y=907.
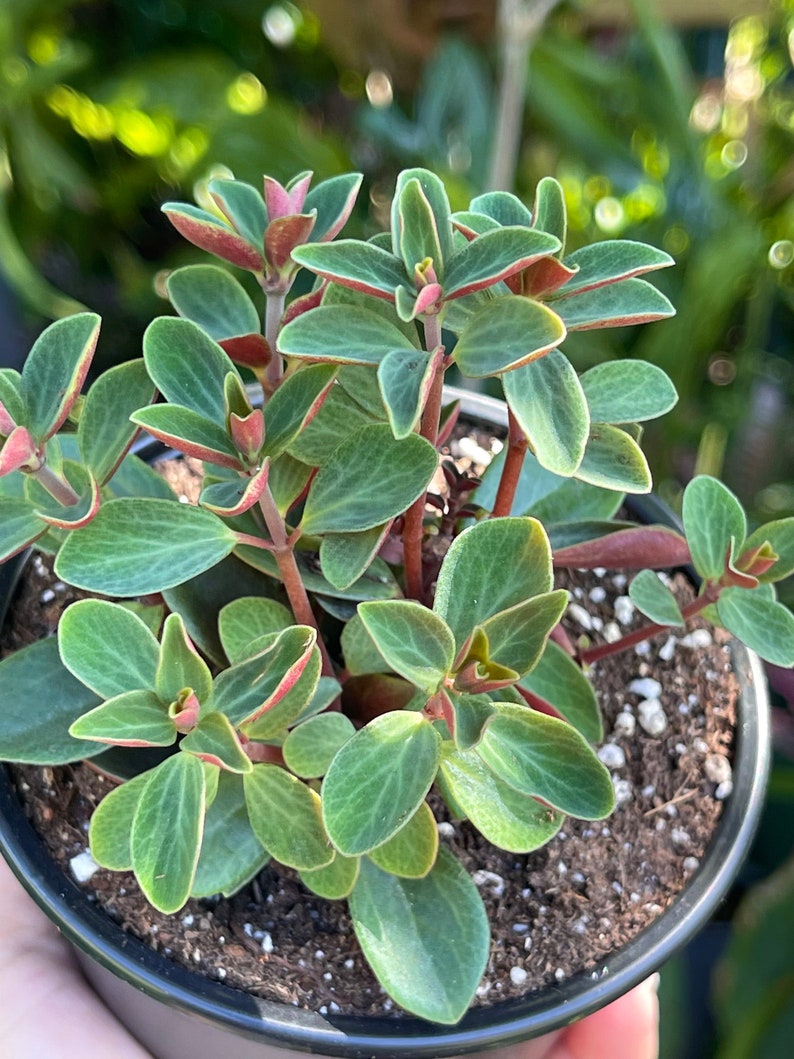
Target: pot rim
x=502, y=1024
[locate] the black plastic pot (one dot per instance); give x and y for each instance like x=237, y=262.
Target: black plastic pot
x=180, y=1015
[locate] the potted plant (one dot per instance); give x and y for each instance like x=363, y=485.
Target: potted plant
x=324, y=637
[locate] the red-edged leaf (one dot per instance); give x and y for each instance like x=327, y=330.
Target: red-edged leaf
x=631, y=301
x=235, y=498
x=87, y=510
x=283, y=235
x=288, y=681
x=251, y=351
x=493, y=256
x=542, y=277
x=189, y=432
x=628, y=549
x=360, y=266
x=18, y=450
x=302, y=305
x=333, y=200
x=55, y=370
x=209, y=233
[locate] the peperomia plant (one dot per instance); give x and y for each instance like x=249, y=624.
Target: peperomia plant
x=292, y=664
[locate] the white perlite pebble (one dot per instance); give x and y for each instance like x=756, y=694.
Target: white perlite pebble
x=445, y=829
x=624, y=609
x=474, y=452
x=611, y=755
x=612, y=632
x=652, y=717
x=494, y=882
x=680, y=837
x=724, y=790
x=624, y=791
x=697, y=639
x=581, y=616
x=646, y=687
x=267, y=943
x=625, y=724
x=691, y=864
x=667, y=650
x=597, y=594
x=518, y=975
x=83, y=866
x=559, y=974
x=718, y=768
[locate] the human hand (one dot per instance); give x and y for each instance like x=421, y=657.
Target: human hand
x=46, y=1006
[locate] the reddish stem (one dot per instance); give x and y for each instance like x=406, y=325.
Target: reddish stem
x=511, y=472
x=595, y=654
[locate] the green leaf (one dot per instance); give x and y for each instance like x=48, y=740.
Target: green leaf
x=558, y=680
x=377, y=583
x=411, y=853
x=368, y=337
x=511, y=820
x=339, y=417
x=417, y=229
x=490, y=567
x=136, y=478
x=610, y=261
x=518, y=635
x=19, y=525
x=248, y=618
x=780, y=535
x=405, y=380
x=631, y=301
x=231, y=854
x=200, y=599
x=766, y=626
x=614, y=460
x=213, y=299
x=333, y=200
x=208, y=233
x=627, y=391
x=344, y=557
x=285, y=816
x=336, y=880
x=294, y=405
x=107, y=647
x=180, y=666
x=547, y=758
x=359, y=650
x=134, y=547
x=187, y=367
x=362, y=266
x=714, y=523
x=426, y=939
x=55, y=370
x=550, y=214
x=503, y=207
x=244, y=207
x=189, y=432
x=166, y=831
x=110, y=830
x=415, y=642
x=378, y=779
x=286, y=480
x=338, y=295
x=370, y=478
x=310, y=747
x=505, y=334
x=60, y=516
x=105, y=431
x=436, y=195
x=261, y=685
x=493, y=256
x=41, y=699
x=549, y=404
x=11, y=395
x=133, y=718
x=215, y=741
x=472, y=712
x=655, y=599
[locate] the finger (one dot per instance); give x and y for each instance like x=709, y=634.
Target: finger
x=628, y=1028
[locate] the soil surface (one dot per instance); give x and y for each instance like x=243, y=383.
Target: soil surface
x=554, y=913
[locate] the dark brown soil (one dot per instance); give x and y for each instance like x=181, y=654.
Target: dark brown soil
x=554, y=913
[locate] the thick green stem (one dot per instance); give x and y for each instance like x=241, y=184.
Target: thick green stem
x=56, y=486
x=413, y=529
x=290, y=575
x=511, y=472
x=595, y=654
x=273, y=312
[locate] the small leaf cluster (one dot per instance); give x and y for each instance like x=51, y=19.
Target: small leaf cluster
x=287, y=669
